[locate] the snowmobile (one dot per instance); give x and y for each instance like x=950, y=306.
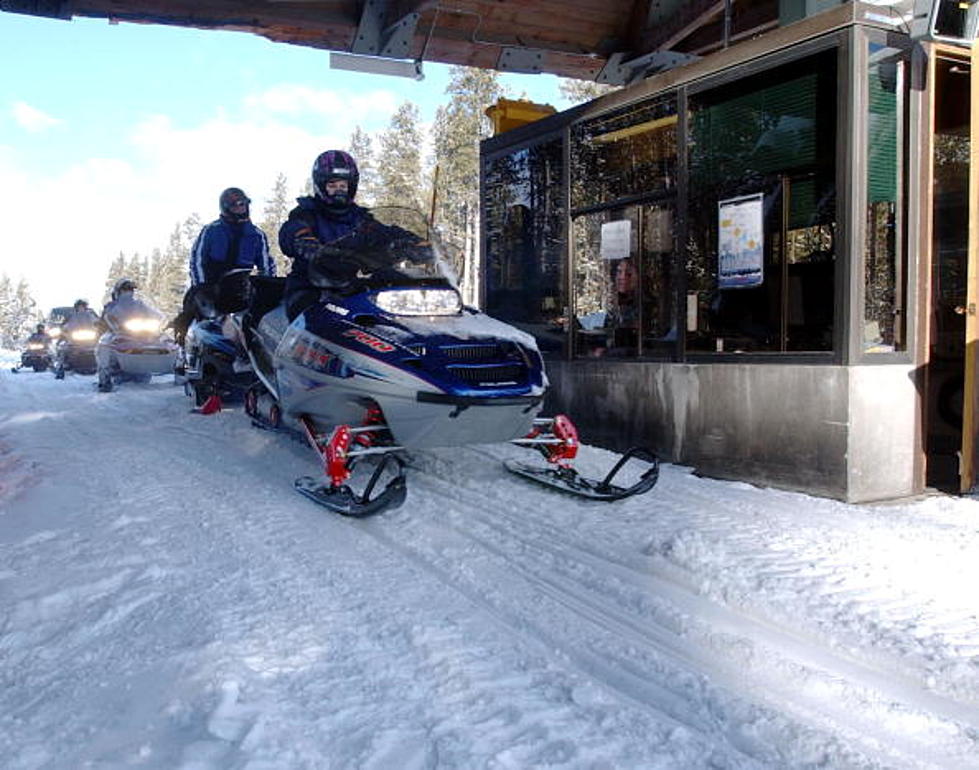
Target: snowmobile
x=74, y=350
x=389, y=360
x=35, y=356
x=133, y=348
x=212, y=365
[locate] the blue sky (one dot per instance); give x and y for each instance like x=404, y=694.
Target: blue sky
x=112, y=133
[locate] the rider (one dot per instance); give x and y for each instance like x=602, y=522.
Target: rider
x=229, y=242
x=122, y=294
x=82, y=317
x=39, y=335
x=325, y=217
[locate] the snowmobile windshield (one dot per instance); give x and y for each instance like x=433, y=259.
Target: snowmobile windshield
x=131, y=315
x=395, y=245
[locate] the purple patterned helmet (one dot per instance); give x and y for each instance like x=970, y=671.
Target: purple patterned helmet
x=332, y=165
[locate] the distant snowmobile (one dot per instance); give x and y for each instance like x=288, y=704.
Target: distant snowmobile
x=134, y=348
x=212, y=365
x=75, y=349
x=391, y=361
x=36, y=356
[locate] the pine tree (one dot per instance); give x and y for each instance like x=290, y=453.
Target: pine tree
x=18, y=312
x=117, y=270
x=460, y=125
x=363, y=153
x=580, y=91
x=275, y=213
x=399, y=164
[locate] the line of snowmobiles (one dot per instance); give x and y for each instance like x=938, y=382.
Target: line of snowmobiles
x=386, y=362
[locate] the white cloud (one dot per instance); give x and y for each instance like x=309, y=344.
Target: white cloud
x=31, y=118
x=71, y=225
x=343, y=110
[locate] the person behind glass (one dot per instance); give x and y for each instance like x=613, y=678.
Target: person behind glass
x=230, y=242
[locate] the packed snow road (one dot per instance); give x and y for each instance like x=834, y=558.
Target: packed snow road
x=168, y=601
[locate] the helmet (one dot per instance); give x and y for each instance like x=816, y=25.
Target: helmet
x=332, y=165
x=230, y=201
x=79, y=303
x=40, y=329
x=123, y=284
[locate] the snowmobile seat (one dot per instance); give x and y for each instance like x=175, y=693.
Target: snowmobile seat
x=267, y=293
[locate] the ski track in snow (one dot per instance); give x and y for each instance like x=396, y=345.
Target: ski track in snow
x=167, y=601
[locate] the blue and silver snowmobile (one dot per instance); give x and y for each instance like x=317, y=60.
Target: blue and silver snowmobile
x=212, y=365
x=391, y=361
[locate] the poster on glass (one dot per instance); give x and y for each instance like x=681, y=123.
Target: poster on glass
x=740, y=241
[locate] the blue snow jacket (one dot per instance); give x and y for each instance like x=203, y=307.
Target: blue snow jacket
x=222, y=246
x=310, y=225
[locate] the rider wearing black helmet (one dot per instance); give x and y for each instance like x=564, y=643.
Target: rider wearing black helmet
x=323, y=218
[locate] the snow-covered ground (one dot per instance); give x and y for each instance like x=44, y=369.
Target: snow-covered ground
x=168, y=601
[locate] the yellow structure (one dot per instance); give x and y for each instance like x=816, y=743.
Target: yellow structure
x=508, y=114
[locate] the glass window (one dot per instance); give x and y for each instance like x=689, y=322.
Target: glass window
x=883, y=318
x=627, y=152
x=762, y=211
x=524, y=220
x=624, y=281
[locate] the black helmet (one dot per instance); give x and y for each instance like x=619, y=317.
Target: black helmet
x=80, y=303
x=40, y=329
x=231, y=201
x=123, y=284
x=330, y=166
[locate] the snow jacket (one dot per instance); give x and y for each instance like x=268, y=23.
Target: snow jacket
x=309, y=226
x=222, y=246
x=81, y=319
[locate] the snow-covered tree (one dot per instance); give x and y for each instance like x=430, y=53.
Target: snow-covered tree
x=362, y=150
x=399, y=163
x=459, y=127
x=276, y=211
x=19, y=312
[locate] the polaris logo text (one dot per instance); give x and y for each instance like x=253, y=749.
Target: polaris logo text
x=369, y=340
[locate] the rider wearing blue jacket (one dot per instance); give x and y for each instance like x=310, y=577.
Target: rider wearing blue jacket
x=318, y=220
x=229, y=242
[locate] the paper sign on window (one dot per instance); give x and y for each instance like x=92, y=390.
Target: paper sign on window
x=616, y=239
x=740, y=242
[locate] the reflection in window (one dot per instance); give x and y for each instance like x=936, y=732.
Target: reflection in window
x=624, y=289
x=762, y=213
x=883, y=326
x=630, y=151
x=524, y=219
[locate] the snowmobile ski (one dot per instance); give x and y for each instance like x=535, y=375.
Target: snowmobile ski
x=343, y=500
x=557, y=439
x=567, y=479
x=339, y=452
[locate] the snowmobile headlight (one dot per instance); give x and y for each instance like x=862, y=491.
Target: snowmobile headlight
x=419, y=301
x=83, y=335
x=136, y=325
x=35, y=346
x=54, y=332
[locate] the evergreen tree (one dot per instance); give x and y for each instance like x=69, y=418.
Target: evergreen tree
x=117, y=270
x=363, y=153
x=580, y=91
x=399, y=164
x=460, y=126
x=276, y=211
x=19, y=313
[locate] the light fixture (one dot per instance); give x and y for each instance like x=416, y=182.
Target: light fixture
x=377, y=65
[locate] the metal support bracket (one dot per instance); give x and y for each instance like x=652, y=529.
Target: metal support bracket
x=526, y=60
x=619, y=71
x=374, y=38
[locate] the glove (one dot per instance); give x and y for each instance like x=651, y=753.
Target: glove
x=419, y=252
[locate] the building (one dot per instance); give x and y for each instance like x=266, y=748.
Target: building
x=759, y=263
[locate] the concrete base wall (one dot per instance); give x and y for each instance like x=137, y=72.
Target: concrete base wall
x=841, y=432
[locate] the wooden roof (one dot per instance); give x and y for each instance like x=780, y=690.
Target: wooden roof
x=606, y=40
